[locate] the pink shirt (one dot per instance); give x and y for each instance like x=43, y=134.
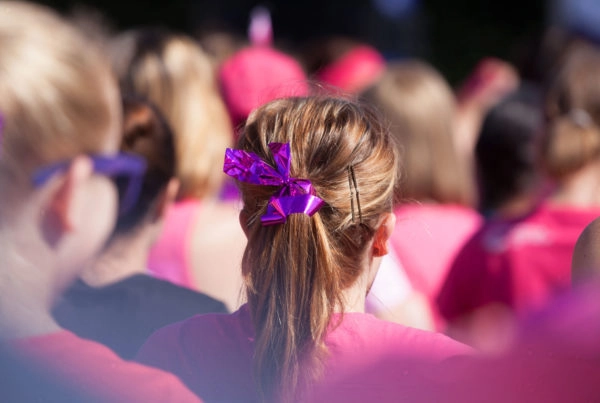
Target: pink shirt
x=555, y=359
x=427, y=238
x=170, y=256
x=94, y=371
x=520, y=264
x=212, y=353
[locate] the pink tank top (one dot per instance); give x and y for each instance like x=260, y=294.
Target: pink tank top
x=170, y=257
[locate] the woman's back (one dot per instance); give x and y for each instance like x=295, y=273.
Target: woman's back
x=317, y=177
x=212, y=354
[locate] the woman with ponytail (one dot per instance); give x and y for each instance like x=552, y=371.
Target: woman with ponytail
x=317, y=178
x=511, y=268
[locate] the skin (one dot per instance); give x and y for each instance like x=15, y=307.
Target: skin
x=55, y=230
x=127, y=254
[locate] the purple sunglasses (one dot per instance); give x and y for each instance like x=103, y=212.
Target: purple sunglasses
x=126, y=170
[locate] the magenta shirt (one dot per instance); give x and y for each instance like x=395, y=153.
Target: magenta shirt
x=212, y=353
x=554, y=359
x=520, y=264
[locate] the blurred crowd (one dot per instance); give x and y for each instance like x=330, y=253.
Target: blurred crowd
x=217, y=218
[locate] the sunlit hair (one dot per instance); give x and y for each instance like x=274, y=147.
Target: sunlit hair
x=176, y=75
x=572, y=108
x=295, y=272
x=58, y=98
x=420, y=106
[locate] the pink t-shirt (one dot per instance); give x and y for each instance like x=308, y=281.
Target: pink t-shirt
x=555, y=359
x=93, y=371
x=170, y=256
x=212, y=353
x=427, y=238
x=519, y=264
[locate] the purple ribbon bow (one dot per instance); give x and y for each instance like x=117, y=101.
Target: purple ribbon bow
x=294, y=195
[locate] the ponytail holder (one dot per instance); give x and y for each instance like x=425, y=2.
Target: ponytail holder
x=294, y=195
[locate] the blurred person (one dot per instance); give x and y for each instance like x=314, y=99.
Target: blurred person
x=255, y=75
x=344, y=64
x=115, y=302
x=59, y=167
x=220, y=44
x=434, y=204
x=511, y=268
x=507, y=171
x=317, y=177
x=201, y=242
x=491, y=80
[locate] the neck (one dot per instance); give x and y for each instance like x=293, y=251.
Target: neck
x=355, y=296
x=518, y=205
x=581, y=189
x=26, y=294
x=123, y=256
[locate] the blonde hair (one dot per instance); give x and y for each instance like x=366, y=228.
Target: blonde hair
x=176, y=75
x=55, y=91
x=295, y=272
x=420, y=106
x=572, y=137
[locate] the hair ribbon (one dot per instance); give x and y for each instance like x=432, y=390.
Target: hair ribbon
x=293, y=196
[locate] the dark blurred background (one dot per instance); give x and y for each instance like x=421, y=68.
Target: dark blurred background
x=451, y=34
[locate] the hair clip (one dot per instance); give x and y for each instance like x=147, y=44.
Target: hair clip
x=294, y=195
x=354, y=193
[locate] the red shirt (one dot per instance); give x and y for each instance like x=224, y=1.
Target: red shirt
x=94, y=371
x=519, y=264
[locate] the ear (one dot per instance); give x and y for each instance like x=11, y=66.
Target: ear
x=383, y=234
x=166, y=199
x=58, y=218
